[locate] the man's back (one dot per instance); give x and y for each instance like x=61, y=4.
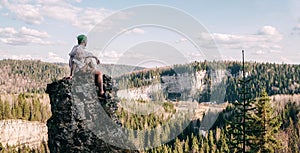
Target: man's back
x=77, y=56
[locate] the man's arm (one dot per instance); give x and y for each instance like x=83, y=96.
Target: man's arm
x=98, y=61
x=73, y=67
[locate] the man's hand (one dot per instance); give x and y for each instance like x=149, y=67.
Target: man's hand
x=69, y=77
x=97, y=60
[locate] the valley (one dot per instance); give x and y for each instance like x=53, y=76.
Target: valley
x=150, y=96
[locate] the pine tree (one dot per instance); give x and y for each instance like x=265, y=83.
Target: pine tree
x=26, y=110
x=266, y=124
x=206, y=146
x=186, y=145
x=195, y=147
x=292, y=138
x=222, y=145
x=178, y=146
x=7, y=111
x=1, y=109
x=165, y=149
x=211, y=142
x=240, y=126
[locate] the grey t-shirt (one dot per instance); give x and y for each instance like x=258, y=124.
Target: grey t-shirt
x=78, y=55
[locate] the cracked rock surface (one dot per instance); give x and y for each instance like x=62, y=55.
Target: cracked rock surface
x=81, y=121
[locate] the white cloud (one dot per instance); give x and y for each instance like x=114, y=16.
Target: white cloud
x=4, y=14
x=51, y=54
x=297, y=27
x=268, y=30
x=52, y=57
x=50, y=2
x=34, y=33
x=192, y=56
x=37, y=11
x=7, y=55
x=22, y=1
x=7, y=31
x=25, y=12
x=22, y=57
x=78, y=1
x=60, y=12
x=267, y=39
x=89, y=17
x=135, y=31
x=228, y=38
x=111, y=54
x=181, y=40
x=265, y=34
x=260, y=52
x=54, y=1
x=11, y=36
x=285, y=60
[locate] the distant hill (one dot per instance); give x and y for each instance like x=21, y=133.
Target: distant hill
x=18, y=76
x=117, y=70
x=180, y=81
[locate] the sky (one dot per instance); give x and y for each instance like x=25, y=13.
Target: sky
x=268, y=31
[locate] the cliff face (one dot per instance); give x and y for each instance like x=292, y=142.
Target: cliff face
x=19, y=132
x=182, y=86
x=80, y=120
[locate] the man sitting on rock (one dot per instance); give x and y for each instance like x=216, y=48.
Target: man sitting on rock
x=78, y=59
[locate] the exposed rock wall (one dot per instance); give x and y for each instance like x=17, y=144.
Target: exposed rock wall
x=75, y=107
x=20, y=132
x=182, y=85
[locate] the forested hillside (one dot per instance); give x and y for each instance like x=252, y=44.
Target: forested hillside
x=275, y=78
x=20, y=76
x=281, y=135
x=25, y=106
x=275, y=119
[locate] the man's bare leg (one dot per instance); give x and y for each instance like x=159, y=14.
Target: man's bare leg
x=99, y=81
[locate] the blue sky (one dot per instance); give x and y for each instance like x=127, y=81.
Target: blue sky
x=269, y=31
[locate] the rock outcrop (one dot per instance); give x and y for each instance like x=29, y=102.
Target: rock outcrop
x=81, y=120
